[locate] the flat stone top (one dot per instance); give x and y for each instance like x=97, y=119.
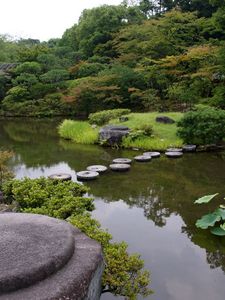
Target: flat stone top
x=32, y=247
x=115, y=127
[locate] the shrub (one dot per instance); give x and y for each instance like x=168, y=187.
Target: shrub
x=5, y=173
x=144, y=130
x=104, y=116
x=78, y=131
x=201, y=127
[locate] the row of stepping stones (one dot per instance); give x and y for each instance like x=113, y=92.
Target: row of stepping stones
x=122, y=164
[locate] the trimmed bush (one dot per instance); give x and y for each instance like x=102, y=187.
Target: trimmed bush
x=104, y=116
x=202, y=127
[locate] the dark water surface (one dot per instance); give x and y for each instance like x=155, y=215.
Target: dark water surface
x=150, y=207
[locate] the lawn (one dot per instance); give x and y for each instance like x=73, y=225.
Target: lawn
x=164, y=135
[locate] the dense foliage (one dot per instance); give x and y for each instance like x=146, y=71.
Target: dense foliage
x=201, y=127
x=142, y=55
x=65, y=200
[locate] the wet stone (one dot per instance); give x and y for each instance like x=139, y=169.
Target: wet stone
x=189, y=148
x=122, y=161
x=143, y=158
x=87, y=175
x=61, y=176
x=174, y=154
x=46, y=258
x=120, y=167
x=97, y=168
x=174, y=150
x=152, y=154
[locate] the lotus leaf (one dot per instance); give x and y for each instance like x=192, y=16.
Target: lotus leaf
x=208, y=220
x=218, y=231
x=205, y=199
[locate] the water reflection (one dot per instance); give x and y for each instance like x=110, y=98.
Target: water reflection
x=151, y=207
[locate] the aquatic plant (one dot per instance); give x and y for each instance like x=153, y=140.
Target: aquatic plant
x=216, y=219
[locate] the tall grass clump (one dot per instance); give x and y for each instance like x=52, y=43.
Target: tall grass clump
x=78, y=131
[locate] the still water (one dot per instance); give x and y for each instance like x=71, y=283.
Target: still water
x=150, y=207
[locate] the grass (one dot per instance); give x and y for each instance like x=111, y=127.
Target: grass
x=164, y=135
x=79, y=132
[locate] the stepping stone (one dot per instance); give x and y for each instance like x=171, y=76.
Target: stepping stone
x=189, y=148
x=174, y=150
x=122, y=161
x=143, y=158
x=87, y=175
x=120, y=167
x=152, y=154
x=174, y=154
x=60, y=176
x=97, y=168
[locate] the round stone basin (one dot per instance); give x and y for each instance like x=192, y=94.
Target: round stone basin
x=40, y=258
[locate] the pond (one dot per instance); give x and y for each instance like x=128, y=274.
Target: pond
x=150, y=207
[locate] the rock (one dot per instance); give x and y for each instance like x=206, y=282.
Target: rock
x=123, y=119
x=152, y=154
x=120, y=167
x=97, y=168
x=60, y=176
x=87, y=175
x=164, y=119
x=174, y=150
x=122, y=161
x=113, y=134
x=94, y=126
x=46, y=258
x=189, y=148
x=143, y=158
x=174, y=154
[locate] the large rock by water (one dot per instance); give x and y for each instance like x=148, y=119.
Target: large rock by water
x=43, y=258
x=113, y=134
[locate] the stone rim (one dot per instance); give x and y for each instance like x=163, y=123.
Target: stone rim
x=143, y=158
x=60, y=176
x=174, y=154
x=152, y=154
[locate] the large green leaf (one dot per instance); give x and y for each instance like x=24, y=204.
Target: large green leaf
x=205, y=199
x=220, y=212
x=208, y=220
x=218, y=231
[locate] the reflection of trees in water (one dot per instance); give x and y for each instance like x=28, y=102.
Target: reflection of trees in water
x=214, y=246
x=216, y=259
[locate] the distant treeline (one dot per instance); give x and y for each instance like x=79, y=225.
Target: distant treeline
x=142, y=55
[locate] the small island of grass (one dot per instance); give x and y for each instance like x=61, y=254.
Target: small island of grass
x=162, y=137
